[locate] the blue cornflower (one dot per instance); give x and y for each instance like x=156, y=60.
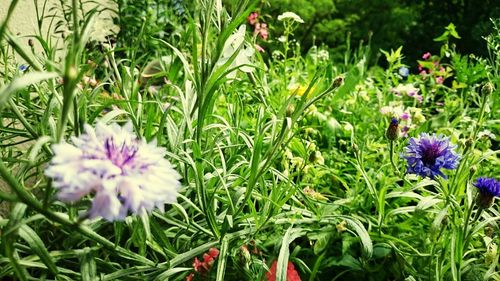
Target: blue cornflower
x=428, y=154
x=404, y=72
x=488, y=188
x=23, y=67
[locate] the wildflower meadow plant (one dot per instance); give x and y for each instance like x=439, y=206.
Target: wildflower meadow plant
x=123, y=173
x=289, y=170
x=428, y=154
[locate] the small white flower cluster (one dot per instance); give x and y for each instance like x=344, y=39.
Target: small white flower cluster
x=124, y=174
x=290, y=16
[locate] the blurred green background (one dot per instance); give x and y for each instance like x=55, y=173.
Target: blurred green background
x=389, y=23
x=386, y=24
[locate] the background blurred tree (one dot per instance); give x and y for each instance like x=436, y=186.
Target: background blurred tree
x=413, y=24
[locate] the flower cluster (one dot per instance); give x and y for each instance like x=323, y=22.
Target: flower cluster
x=291, y=273
x=124, y=174
x=407, y=89
x=260, y=29
x=292, y=163
x=488, y=189
x=430, y=66
x=202, y=267
x=427, y=155
x=408, y=117
x=290, y=16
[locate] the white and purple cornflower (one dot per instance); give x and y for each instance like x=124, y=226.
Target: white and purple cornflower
x=428, y=154
x=488, y=189
x=124, y=174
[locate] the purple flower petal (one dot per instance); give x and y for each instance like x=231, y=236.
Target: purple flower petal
x=427, y=155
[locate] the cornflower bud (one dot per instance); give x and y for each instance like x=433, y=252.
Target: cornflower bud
x=392, y=132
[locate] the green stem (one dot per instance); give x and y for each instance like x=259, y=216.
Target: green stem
x=441, y=230
x=391, y=155
x=467, y=232
x=27, y=125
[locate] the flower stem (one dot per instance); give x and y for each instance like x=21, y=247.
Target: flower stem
x=391, y=156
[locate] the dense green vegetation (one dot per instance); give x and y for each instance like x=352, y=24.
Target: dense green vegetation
x=248, y=141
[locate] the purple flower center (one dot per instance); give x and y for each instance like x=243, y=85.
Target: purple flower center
x=429, y=154
x=120, y=155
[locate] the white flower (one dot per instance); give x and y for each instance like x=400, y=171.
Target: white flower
x=290, y=15
x=323, y=55
x=123, y=173
x=407, y=89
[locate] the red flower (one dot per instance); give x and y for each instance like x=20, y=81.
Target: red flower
x=213, y=252
x=202, y=267
x=197, y=264
x=291, y=273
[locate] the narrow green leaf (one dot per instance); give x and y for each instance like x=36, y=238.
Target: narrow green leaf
x=38, y=247
x=290, y=235
x=24, y=81
x=363, y=235
x=223, y=253
x=88, y=266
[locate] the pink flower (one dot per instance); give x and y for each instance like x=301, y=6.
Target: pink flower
x=405, y=116
x=439, y=80
x=259, y=48
x=261, y=30
x=404, y=131
x=426, y=55
x=419, y=98
x=190, y=277
x=197, y=265
x=252, y=18
x=423, y=72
